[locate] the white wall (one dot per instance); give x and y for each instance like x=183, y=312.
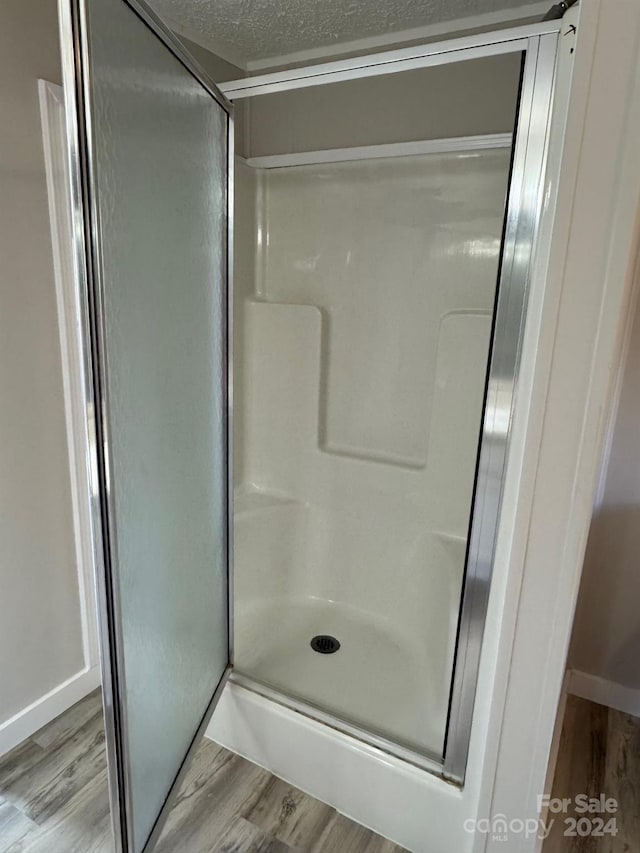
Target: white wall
x=363, y=364
x=40, y=624
x=606, y=635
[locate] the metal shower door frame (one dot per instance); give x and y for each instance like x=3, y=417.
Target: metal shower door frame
x=75, y=57
x=539, y=45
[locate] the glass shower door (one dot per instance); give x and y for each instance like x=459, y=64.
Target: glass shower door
x=150, y=139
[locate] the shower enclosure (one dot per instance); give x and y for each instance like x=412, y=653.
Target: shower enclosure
x=329, y=547
x=365, y=283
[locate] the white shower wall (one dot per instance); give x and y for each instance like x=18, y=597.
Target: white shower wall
x=363, y=304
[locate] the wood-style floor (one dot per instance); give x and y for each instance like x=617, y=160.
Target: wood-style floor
x=599, y=753
x=53, y=799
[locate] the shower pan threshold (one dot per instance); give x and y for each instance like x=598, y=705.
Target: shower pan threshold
x=432, y=764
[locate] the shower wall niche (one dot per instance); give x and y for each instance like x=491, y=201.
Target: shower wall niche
x=368, y=242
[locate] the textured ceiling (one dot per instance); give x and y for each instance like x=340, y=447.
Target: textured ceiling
x=249, y=30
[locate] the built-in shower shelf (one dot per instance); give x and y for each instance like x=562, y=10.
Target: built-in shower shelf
x=249, y=501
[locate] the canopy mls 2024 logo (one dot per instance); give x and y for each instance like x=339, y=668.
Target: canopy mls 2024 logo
x=582, y=816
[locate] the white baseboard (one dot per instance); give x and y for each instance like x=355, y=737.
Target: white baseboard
x=45, y=709
x=596, y=689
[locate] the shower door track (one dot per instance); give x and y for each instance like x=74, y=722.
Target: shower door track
x=539, y=45
x=424, y=761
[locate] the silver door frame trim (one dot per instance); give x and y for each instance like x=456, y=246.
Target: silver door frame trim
x=75, y=58
x=524, y=207
x=231, y=171
x=539, y=44
x=476, y=46
x=71, y=48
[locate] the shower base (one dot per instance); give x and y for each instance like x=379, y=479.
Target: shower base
x=377, y=680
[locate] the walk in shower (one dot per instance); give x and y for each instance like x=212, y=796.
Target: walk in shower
x=368, y=240
x=303, y=366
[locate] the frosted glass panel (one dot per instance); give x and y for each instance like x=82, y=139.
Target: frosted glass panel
x=160, y=168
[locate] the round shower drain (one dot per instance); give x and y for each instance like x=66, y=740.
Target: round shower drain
x=325, y=644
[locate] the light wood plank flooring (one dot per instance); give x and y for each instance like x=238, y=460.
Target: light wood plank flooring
x=599, y=753
x=53, y=799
